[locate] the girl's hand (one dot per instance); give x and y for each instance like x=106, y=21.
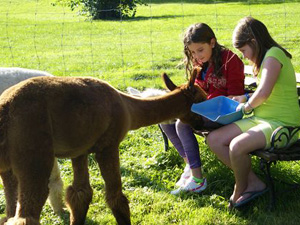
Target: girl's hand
x=239, y=98
x=239, y=107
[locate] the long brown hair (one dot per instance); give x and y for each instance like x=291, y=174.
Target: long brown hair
x=254, y=33
x=201, y=33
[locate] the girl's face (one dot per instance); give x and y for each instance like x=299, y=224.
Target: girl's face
x=247, y=52
x=201, y=52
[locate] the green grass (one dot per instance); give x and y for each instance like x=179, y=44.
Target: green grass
x=34, y=34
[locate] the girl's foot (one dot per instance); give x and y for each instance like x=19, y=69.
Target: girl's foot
x=252, y=192
x=191, y=186
x=184, y=176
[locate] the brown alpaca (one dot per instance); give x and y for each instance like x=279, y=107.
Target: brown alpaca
x=9, y=77
x=48, y=117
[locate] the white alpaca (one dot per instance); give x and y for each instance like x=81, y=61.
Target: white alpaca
x=13, y=75
x=9, y=77
x=149, y=92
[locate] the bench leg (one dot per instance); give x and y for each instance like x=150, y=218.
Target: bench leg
x=265, y=167
x=166, y=140
x=271, y=186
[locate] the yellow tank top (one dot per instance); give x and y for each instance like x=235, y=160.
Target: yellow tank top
x=282, y=105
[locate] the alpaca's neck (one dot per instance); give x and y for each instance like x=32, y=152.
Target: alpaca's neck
x=145, y=112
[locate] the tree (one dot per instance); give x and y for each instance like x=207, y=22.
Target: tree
x=103, y=9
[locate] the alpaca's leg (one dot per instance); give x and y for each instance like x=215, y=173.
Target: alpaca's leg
x=31, y=159
x=32, y=171
x=108, y=161
x=79, y=194
x=56, y=189
x=10, y=184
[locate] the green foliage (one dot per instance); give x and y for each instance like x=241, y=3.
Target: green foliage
x=103, y=9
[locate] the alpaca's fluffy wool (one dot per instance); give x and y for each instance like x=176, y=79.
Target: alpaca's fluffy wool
x=149, y=92
x=14, y=75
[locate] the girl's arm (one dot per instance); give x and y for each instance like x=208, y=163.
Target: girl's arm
x=269, y=75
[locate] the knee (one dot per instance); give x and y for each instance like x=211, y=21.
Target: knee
x=235, y=149
x=210, y=140
x=181, y=125
x=214, y=141
x=183, y=129
x=116, y=200
x=79, y=198
x=78, y=201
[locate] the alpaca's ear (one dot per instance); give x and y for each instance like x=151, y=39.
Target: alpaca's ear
x=193, y=77
x=201, y=93
x=169, y=84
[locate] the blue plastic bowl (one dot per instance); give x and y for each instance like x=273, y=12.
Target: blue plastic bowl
x=219, y=109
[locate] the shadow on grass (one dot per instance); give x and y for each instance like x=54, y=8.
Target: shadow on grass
x=141, y=180
x=139, y=18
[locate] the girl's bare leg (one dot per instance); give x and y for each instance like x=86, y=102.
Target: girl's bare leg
x=219, y=140
x=232, y=147
x=239, y=149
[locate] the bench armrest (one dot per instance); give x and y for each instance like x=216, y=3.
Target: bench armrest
x=286, y=134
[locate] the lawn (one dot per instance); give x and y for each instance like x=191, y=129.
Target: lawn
x=35, y=34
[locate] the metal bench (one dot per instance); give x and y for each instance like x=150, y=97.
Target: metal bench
x=289, y=152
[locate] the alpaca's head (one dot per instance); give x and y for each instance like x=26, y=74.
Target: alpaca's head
x=194, y=93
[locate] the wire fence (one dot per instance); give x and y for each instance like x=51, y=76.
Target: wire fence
x=35, y=34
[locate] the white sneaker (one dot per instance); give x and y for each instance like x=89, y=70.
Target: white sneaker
x=184, y=176
x=191, y=186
